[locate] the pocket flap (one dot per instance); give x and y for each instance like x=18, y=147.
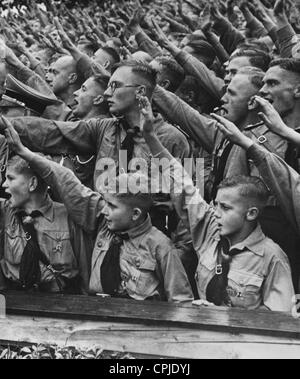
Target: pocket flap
x=148, y=265
x=57, y=236
x=243, y=278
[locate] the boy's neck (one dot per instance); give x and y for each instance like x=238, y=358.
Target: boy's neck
x=36, y=202
x=136, y=225
x=243, y=234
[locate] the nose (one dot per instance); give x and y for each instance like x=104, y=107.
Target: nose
x=217, y=212
x=263, y=92
x=105, y=210
x=4, y=185
x=224, y=99
x=48, y=77
x=108, y=92
x=76, y=93
x=228, y=78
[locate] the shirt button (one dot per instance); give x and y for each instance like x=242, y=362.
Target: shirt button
x=137, y=262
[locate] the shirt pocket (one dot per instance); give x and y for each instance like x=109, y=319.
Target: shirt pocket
x=143, y=279
x=244, y=289
x=15, y=243
x=57, y=247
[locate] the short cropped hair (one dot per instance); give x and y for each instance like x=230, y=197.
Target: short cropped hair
x=144, y=70
x=113, y=53
x=132, y=189
x=100, y=79
x=173, y=70
x=20, y=166
x=288, y=64
x=252, y=188
x=257, y=58
x=254, y=74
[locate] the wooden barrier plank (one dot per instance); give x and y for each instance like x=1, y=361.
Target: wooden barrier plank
x=156, y=313
x=145, y=340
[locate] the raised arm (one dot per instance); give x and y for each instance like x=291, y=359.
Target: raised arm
x=197, y=215
x=200, y=128
x=83, y=205
x=282, y=180
x=55, y=137
x=206, y=78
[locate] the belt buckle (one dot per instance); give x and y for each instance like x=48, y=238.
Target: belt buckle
x=219, y=270
x=27, y=236
x=262, y=140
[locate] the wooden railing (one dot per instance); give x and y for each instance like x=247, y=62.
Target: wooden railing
x=155, y=328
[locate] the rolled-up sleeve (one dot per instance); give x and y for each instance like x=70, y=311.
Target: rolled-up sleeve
x=278, y=290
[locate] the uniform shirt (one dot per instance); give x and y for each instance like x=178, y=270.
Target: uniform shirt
x=59, y=240
x=150, y=264
x=204, y=132
x=259, y=276
x=283, y=181
x=100, y=137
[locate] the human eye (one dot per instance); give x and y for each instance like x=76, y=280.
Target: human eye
x=224, y=207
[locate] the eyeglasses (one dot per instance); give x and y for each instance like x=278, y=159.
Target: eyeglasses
x=115, y=85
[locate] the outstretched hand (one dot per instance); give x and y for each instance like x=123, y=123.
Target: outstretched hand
x=11, y=135
x=66, y=42
x=147, y=117
x=280, y=9
x=160, y=36
x=270, y=116
x=232, y=132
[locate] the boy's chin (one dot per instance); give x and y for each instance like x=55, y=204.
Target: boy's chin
x=224, y=233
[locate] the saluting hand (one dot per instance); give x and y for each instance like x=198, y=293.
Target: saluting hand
x=147, y=117
x=11, y=135
x=271, y=117
x=232, y=132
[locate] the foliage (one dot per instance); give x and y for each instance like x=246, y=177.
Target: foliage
x=55, y=352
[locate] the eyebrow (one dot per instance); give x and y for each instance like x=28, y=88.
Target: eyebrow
x=222, y=203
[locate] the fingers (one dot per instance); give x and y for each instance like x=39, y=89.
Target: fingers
x=199, y=303
x=219, y=118
x=264, y=104
x=6, y=124
x=265, y=119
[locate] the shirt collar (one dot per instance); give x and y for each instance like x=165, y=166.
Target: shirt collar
x=158, y=120
x=140, y=230
x=47, y=210
x=253, y=242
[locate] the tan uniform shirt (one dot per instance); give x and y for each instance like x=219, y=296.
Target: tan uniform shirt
x=260, y=276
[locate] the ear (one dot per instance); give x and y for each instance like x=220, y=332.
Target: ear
x=98, y=100
x=106, y=64
x=136, y=214
x=252, y=214
x=33, y=183
x=73, y=78
x=141, y=91
x=165, y=84
x=191, y=96
x=297, y=92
